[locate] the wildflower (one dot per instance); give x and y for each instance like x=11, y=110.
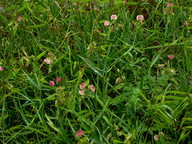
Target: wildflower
x=167, y=10
x=19, y=18
x=169, y=4
x=1, y=68
x=51, y=83
x=82, y=86
x=81, y=92
x=161, y=133
x=47, y=61
x=118, y=80
x=113, y=17
x=140, y=18
x=79, y=133
x=156, y=137
x=92, y=88
x=170, y=56
x=186, y=23
x=106, y=23
x=58, y=79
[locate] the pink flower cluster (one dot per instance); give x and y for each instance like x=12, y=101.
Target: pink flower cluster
x=83, y=86
x=168, y=8
x=156, y=137
x=113, y=17
x=52, y=83
x=19, y=19
x=140, y=18
x=106, y=23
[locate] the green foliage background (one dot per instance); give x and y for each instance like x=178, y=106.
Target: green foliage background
x=135, y=99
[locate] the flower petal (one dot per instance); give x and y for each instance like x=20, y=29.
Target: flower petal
x=1, y=68
x=79, y=133
x=81, y=92
x=51, y=83
x=82, y=86
x=92, y=88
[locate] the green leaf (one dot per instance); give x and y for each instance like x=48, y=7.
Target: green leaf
x=59, y=59
x=92, y=66
x=41, y=54
x=32, y=81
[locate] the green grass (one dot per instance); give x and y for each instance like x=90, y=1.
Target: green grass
x=134, y=100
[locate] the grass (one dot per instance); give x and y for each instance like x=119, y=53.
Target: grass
x=140, y=93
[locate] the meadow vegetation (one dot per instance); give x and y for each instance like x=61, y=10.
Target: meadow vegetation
x=95, y=71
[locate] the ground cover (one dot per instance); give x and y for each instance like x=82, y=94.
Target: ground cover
x=99, y=72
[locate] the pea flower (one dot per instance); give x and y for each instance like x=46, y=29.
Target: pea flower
x=1, y=68
x=167, y=10
x=106, y=23
x=19, y=18
x=156, y=137
x=47, y=61
x=82, y=86
x=169, y=4
x=113, y=17
x=79, y=133
x=140, y=18
x=81, y=92
x=170, y=56
x=51, y=83
x=92, y=88
x=58, y=79
x=161, y=133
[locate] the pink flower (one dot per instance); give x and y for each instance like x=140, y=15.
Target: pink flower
x=1, y=68
x=168, y=10
x=47, y=61
x=92, y=88
x=82, y=86
x=19, y=18
x=58, y=79
x=140, y=18
x=81, y=92
x=106, y=23
x=169, y=4
x=51, y=83
x=79, y=133
x=113, y=17
x=170, y=56
x=165, y=11
x=156, y=137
